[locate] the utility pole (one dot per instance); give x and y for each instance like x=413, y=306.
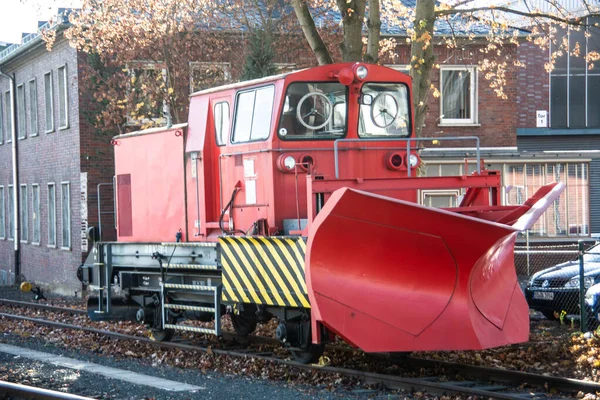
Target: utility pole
x=15, y=171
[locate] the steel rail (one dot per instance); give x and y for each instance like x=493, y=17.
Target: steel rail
x=37, y=306
x=495, y=374
x=508, y=376
x=389, y=381
x=18, y=391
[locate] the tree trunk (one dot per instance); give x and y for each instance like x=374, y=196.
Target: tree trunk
x=353, y=14
x=310, y=32
x=374, y=32
x=422, y=60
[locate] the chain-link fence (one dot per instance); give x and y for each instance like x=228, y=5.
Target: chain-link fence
x=555, y=279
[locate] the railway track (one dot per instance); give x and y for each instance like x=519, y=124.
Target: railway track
x=15, y=391
x=471, y=380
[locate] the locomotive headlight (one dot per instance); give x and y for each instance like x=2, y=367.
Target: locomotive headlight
x=286, y=163
x=413, y=160
x=289, y=162
x=362, y=72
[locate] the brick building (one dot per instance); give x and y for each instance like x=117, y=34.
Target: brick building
x=57, y=178
x=62, y=160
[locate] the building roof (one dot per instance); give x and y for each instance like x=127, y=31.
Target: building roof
x=32, y=39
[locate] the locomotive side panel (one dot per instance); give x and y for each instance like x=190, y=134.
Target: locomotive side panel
x=150, y=194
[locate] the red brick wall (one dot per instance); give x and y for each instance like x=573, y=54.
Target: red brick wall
x=533, y=87
x=48, y=157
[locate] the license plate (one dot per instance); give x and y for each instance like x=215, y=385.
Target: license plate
x=543, y=295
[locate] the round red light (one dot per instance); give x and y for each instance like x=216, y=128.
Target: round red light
x=346, y=76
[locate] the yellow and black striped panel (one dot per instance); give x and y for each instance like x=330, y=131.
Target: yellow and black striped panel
x=263, y=270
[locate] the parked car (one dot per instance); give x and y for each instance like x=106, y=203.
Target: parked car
x=592, y=305
x=556, y=289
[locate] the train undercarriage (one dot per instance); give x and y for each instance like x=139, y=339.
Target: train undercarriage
x=163, y=285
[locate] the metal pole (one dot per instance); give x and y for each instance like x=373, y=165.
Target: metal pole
x=527, y=246
x=15, y=173
x=582, y=310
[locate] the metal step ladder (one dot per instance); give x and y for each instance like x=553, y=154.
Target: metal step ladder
x=216, y=309
x=104, y=268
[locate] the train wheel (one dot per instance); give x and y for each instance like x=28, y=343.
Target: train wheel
x=309, y=355
x=244, y=320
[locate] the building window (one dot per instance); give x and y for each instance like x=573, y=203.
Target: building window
x=283, y=68
x=2, y=119
x=575, y=82
x=2, y=214
x=21, y=112
x=66, y=215
x=8, y=115
x=222, y=122
x=440, y=198
x=33, y=108
x=49, y=102
x=204, y=75
x=35, y=203
x=147, y=88
x=51, y=215
x=63, y=98
x=253, y=114
x=24, y=214
x=458, y=95
x=11, y=212
x=568, y=216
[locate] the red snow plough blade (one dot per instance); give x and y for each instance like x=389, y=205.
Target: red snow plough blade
x=389, y=276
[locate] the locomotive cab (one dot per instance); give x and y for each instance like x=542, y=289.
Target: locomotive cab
x=264, y=138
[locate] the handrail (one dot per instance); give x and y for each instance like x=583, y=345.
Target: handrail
x=408, y=142
x=335, y=149
x=451, y=138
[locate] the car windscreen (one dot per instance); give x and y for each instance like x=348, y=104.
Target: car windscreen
x=314, y=110
x=384, y=111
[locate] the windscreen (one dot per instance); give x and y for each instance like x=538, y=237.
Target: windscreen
x=314, y=110
x=384, y=110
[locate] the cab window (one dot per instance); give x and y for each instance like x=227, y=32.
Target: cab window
x=313, y=110
x=384, y=110
x=253, y=112
x=222, y=122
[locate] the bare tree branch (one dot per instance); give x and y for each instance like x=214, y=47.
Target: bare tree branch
x=310, y=32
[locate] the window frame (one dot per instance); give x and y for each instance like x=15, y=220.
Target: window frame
x=63, y=102
x=224, y=135
x=49, y=108
x=68, y=225
x=474, y=97
x=21, y=112
x=51, y=211
x=235, y=115
x=572, y=76
x=195, y=65
x=11, y=213
x=24, y=213
x=2, y=214
x=9, y=114
x=2, y=119
x=146, y=65
x=34, y=123
x=35, y=216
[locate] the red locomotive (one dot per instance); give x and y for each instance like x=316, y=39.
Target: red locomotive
x=296, y=197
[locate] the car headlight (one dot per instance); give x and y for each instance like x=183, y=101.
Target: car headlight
x=574, y=282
